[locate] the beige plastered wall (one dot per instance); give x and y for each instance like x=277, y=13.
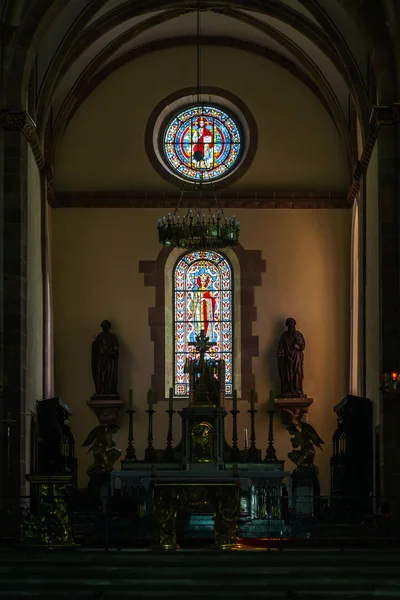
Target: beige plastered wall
x=96, y=254
x=34, y=350
x=299, y=148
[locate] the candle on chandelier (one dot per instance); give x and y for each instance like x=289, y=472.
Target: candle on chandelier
x=150, y=399
x=394, y=376
x=252, y=400
x=130, y=400
x=171, y=399
x=234, y=407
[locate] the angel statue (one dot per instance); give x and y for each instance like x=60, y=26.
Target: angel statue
x=102, y=444
x=304, y=438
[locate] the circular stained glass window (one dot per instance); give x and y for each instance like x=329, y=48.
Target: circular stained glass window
x=202, y=143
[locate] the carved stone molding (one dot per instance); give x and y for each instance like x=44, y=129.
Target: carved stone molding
x=381, y=115
x=106, y=408
x=142, y=199
x=293, y=410
x=21, y=121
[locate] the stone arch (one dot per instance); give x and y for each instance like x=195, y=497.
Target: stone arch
x=252, y=265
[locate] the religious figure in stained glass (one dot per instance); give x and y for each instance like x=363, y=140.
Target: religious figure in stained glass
x=204, y=305
x=202, y=143
x=202, y=302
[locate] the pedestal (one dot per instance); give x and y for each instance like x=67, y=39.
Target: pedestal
x=49, y=524
x=305, y=489
x=106, y=408
x=293, y=409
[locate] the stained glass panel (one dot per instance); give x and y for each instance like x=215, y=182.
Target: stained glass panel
x=202, y=143
x=202, y=300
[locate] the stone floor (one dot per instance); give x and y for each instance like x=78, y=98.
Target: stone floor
x=297, y=575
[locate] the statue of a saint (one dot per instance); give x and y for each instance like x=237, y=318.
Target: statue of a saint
x=105, y=353
x=290, y=361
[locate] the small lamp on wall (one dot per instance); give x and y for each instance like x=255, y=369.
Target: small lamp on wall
x=390, y=382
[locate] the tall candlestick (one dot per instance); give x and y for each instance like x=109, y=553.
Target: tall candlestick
x=234, y=407
x=253, y=453
x=130, y=400
x=130, y=451
x=171, y=399
x=150, y=454
x=246, y=439
x=235, y=452
x=150, y=399
x=252, y=400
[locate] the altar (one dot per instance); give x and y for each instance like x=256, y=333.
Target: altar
x=233, y=492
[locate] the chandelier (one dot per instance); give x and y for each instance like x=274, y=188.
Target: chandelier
x=198, y=229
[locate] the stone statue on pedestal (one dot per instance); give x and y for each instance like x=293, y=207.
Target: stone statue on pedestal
x=105, y=354
x=304, y=438
x=102, y=444
x=290, y=361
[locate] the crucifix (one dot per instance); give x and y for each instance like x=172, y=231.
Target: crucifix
x=202, y=345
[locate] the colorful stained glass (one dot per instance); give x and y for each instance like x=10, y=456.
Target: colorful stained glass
x=202, y=300
x=202, y=143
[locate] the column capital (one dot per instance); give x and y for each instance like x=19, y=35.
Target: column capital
x=22, y=121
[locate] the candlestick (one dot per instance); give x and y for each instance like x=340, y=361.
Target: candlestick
x=246, y=439
x=171, y=399
x=169, y=451
x=270, y=454
x=130, y=400
x=234, y=405
x=150, y=454
x=130, y=453
x=253, y=453
x=235, y=452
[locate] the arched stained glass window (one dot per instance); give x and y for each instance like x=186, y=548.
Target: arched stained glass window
x=203, y=300
x=202, y=143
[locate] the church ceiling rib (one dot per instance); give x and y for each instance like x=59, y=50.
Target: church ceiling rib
x=309, y=66
x=38, y=17
x=120, y=12
x=102, y=54
x=88, y=85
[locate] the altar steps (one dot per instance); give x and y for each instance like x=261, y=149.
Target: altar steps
x=295, y=575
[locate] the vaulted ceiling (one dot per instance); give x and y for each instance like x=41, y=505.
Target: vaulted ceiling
x=318, y=37
x=75, y=41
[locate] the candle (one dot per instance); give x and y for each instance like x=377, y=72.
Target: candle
x=234, y=400
x=130, y=400
x=150, y=400
x=246, y=439
x=171, y=399
x=271, y=400
x=252, y=400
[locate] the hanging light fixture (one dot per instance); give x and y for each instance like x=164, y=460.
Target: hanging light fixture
x=198, y=229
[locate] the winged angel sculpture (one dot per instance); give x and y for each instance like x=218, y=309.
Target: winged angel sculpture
x=304, y=439
x=102, y=444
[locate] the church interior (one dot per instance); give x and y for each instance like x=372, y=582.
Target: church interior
x=200, y=297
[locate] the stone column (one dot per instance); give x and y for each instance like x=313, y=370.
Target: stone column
x=15, y=305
